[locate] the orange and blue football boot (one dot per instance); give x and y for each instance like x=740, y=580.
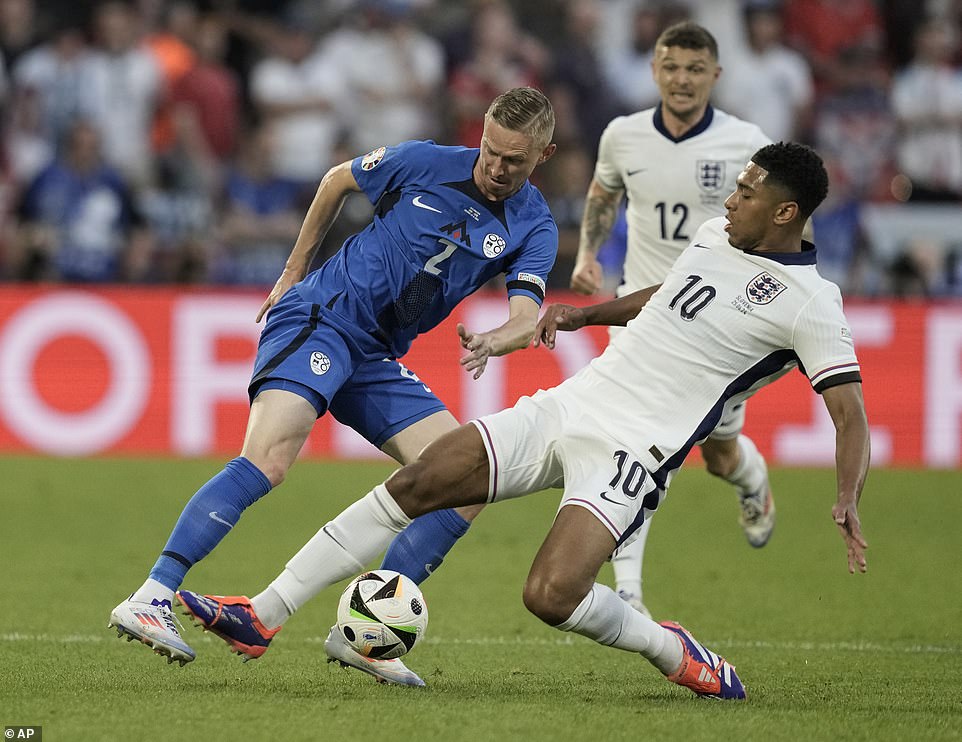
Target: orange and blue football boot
x=702, y=671
x=232, y=618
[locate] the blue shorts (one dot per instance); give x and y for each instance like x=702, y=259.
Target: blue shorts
x=301, y=353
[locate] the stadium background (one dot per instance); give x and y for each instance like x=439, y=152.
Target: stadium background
x=124, y=371
x=126, y=327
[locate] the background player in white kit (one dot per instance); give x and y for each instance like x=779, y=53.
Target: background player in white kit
x=677, y=162
x=736, y=312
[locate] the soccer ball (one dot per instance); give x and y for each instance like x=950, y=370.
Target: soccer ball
x=382, y=614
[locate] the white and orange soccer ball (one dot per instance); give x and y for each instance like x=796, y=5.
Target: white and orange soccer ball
x=382, y=614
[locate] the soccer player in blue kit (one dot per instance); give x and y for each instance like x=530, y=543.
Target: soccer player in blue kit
x=446, y=221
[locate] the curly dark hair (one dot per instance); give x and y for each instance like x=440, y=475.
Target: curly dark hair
x=798, y=169
x=689, y=35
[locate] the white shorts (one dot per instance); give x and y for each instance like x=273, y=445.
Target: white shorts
x=546, y=441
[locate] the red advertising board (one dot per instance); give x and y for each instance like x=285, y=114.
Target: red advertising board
x=164, y=371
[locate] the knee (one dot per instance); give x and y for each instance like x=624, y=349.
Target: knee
x=415, y=488
x=720, y=459
x=550, y=597
x=273, y=467
x=275, y=474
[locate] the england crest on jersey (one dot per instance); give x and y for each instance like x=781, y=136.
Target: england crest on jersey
x=763, y=288
x=710, y=175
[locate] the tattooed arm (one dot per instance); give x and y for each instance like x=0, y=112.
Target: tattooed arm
x=601, y=209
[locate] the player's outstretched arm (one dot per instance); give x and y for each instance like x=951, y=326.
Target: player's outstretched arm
x=601, y=210
x=514, y=334
x=852, y=455
x=330, y=195
x=566, y=317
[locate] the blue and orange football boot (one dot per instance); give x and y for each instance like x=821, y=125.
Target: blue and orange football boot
x=232, y=618
x=702, y=671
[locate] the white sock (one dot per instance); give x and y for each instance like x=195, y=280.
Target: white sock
x=270, y=608
x=749, y=475
x=339, y=550
x=607, y=619
x=627, y=562
x=153, y=590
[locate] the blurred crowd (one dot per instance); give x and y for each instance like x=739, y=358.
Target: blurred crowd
x=160, y=141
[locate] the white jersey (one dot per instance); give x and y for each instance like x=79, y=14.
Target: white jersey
x=673, y=186
x=723, y=324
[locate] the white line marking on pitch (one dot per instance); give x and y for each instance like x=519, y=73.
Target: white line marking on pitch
x=807, y=646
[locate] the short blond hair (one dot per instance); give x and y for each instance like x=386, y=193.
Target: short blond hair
x=525, y=110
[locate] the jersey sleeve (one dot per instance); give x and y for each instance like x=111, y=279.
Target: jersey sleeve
x=388, y=168
x=607, y=170
x=823, y=342
x=528, y=273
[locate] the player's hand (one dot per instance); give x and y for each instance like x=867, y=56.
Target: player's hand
x=846, y=518
x=557, y=317
x=587, y=276
x=479, y=350
x=284, y=283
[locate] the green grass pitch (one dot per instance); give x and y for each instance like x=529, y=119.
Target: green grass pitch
x=825, y=655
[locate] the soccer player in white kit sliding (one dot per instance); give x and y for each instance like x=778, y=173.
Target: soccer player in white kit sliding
x=741, y=307
x=676, y=162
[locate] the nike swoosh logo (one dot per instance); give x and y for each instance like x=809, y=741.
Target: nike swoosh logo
x=214, y=516
x=604, y=497
x=417, y=202
x=698, y=244
x=629, y=173
x=429, y=568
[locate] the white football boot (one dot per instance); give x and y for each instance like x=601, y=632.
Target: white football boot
x=757, y=516
x=154, y=625
x=392, y=672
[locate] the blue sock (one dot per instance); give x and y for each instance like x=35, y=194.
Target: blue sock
x=420, y=548
x=207, y=518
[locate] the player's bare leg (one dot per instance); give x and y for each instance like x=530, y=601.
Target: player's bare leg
x=421, y=547
x=405, y=446
x=561, y=590
x=277, y=428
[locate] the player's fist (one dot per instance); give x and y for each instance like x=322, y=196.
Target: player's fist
x=587, y=276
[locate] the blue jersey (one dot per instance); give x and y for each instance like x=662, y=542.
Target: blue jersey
x=434, y=240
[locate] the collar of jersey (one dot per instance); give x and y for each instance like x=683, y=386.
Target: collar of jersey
x=470, y=189
x=659, y=122
x=805, y=257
